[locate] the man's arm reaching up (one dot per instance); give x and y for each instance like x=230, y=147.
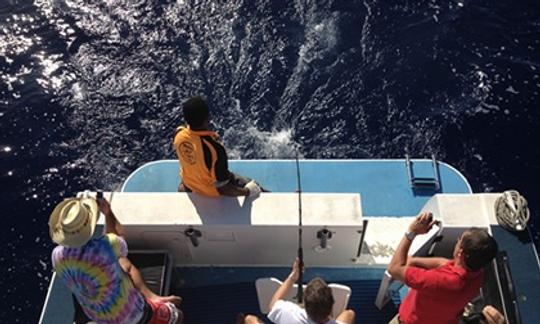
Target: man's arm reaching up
x=421, y=225
x=112, y=225
x=286, y=286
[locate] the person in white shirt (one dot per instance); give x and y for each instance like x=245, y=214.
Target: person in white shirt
x=318, y=302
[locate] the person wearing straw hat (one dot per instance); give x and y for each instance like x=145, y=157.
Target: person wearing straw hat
x=95, y=268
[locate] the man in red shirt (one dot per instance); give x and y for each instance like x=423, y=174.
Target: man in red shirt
x=439, y=287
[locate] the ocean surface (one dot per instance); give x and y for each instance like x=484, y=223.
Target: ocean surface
x=90, y=90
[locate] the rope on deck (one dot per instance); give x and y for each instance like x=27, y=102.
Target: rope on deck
x=511, y=211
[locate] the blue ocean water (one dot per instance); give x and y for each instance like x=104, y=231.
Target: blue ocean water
x=90, y=90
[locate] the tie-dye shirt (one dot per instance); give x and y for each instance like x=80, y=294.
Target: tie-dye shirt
x=93, y=274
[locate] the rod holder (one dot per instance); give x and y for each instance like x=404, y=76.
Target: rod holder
x=193, y=235
x=324, y=235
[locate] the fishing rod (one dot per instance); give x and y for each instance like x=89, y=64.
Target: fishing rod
x=299, y=282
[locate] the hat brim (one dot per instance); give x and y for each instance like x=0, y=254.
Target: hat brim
x=85, y=234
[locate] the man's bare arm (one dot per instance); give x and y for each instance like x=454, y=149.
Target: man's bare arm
x=232, y=191
x=140, y=285
x=112, y=225
x=426, y=263
x=398, y=264
x=421, y=225
x=136, y=278
x=286, y=286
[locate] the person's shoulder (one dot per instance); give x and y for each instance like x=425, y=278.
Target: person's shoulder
x=118, y=243
x=57, y=252
x=441, y=271
x=412, y=270
x=454, y=270
x=181, y=128
x=180, y=132
x=419, y=278
x=449, y=264
x=58, y=255
x=113, y=238
x=286, y=304
x=286, y=312
x=109, y=236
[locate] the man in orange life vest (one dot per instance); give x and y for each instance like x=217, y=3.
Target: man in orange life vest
x=203, y=159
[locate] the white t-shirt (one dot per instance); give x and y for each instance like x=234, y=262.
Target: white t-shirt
x=286, y=312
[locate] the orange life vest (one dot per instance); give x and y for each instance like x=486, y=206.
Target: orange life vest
x=193, y=170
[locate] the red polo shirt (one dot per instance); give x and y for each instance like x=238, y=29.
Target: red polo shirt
x=438, y=295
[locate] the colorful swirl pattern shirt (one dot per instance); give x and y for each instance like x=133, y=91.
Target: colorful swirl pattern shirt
x=93, y=274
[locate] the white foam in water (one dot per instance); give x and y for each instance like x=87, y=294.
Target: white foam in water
x=277, y=144
x=43, y=264
x=512, y=90
x=77, y=91
x=320, y=40
x=280, y=143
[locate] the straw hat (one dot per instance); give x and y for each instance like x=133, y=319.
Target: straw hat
x=73, y=221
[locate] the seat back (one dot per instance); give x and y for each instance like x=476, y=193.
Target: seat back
x=266, y=287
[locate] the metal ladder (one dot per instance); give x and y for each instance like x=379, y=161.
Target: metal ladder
x=423, y=182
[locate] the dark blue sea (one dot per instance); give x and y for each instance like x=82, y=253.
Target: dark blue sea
x=90, y=90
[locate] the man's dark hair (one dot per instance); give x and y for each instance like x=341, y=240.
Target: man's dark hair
x=195, y=111
x=479, y=248
x=318, y=300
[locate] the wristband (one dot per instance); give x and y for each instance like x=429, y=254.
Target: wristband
x=410, y=235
